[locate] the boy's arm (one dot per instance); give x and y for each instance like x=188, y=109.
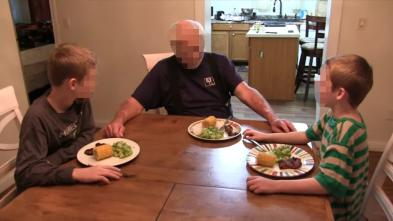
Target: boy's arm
x=258, y=184
x=288, y=138
x=32, y=167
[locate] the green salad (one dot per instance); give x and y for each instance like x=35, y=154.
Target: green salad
x=282, y=152
x=121, y=149
x=212, y=133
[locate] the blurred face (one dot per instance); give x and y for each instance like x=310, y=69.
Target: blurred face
x=86, y=87
x=327, y=95
x=187, y=43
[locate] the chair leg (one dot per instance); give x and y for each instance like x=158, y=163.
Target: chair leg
x=308, y=77
x=300, y=71
x=319, y=64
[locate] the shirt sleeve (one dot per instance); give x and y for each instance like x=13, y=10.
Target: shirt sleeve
x=314, y=133
x=32, y=166
x=335, y=170
x=85, y=136
x=227, y=69
x=149, y=92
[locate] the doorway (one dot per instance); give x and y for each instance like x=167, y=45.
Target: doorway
x=34, y=31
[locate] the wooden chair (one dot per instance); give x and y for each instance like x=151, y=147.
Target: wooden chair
x=9, y=111
x=150, y=61
x=311, y=50
x=383, y=170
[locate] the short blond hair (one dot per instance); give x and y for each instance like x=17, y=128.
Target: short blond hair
x=69, y=61
x=353, y=73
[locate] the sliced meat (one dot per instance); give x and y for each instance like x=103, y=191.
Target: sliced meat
x=291, y=163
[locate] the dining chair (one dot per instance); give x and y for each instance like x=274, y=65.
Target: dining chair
x=9, y=111
x=383, y=170
x=150, y=61
x=311, y=51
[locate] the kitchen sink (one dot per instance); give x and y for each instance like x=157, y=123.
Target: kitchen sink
x=275, y=18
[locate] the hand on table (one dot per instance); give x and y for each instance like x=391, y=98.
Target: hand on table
x=280, y=125
x=114, y=129
x=102, y=174
x=258, y=184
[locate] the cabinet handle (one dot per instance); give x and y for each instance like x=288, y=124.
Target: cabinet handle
x=233, y=34
x=261, y=54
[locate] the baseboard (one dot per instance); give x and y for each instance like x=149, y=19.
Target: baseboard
x=376, y=146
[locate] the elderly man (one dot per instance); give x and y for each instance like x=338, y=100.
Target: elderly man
x=192, y=82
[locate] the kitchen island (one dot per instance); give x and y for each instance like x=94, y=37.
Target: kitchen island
x=272, y=60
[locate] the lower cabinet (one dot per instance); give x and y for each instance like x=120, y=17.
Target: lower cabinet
x=272, y=67
x=230, y=40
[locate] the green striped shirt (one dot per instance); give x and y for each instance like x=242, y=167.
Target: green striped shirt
x=344, y=163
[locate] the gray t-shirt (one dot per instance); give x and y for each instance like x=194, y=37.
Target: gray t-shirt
x=49, y=139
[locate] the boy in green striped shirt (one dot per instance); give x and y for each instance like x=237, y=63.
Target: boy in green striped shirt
x=345, y=82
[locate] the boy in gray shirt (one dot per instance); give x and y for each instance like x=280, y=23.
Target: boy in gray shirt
x=59, y=123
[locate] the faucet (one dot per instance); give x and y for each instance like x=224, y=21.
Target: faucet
x=274, y=8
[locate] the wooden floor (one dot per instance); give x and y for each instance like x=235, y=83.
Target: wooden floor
x=304, y=112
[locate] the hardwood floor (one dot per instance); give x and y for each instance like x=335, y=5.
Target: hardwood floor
x=304, y=112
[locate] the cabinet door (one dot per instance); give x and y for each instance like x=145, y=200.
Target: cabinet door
x=272, y=67
x=220, y=42
x=238, y=45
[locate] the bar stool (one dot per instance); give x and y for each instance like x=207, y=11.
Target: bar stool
x=311, y=25
x=311, y=50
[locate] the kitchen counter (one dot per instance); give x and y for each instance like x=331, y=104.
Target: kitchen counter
x=260, y=31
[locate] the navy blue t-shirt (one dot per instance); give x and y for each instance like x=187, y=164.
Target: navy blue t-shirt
x=202, y=92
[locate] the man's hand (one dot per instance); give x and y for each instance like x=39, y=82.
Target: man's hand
x=114, y=129
x=284, y=126
x=102, y=174
x=258, y=184
x=254, y=135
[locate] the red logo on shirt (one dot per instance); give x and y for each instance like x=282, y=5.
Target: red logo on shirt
x=209, y=81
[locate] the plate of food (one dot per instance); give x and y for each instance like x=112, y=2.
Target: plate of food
x=109, y=152
x=280, y=160
x=214, y=129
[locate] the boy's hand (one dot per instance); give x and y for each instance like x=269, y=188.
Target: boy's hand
x=281, y=126
x=114, y=129
x=102, y=174
x=254, y=135
x=258, y=184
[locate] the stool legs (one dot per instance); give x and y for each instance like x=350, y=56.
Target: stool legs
x=309, y=73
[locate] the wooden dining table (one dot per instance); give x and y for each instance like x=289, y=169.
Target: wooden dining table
x=175, y=177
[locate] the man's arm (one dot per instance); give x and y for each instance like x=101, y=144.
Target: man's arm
x=258, y=184
x=128, y=110
x=253, y=99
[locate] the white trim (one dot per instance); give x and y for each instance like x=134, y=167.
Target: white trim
x=333, y=27
x=376, y=146
x=55, y=21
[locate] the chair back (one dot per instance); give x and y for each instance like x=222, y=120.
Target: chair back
x=9, y=111
x=383, y=170
x=152, y=59
x=318, y=24
x=9, y=108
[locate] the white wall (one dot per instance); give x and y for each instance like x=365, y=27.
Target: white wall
x=119, y=32
x=10, y=66
x=374, y=42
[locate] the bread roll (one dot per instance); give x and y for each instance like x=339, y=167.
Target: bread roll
x=209, y=122
x=266, y=159
x=102, y=152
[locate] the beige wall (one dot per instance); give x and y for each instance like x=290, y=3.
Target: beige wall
x=10, y=66
x=119, y=32
x=374, y=42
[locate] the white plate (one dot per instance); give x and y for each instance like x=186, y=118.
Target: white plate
x=111, y=161
x=196, y=128
x=275, y=171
